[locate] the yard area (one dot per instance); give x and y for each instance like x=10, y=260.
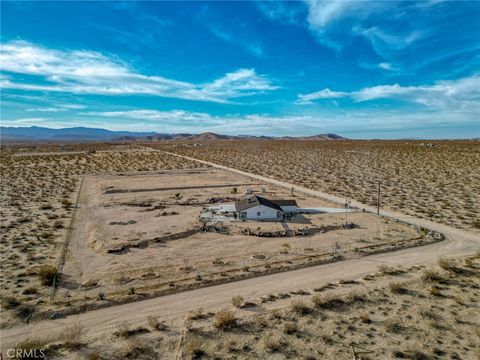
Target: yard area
x=139, y=233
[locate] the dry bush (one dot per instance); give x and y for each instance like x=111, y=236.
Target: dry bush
x=397, y=288
x=225, y=319
x=434, y=290
x=299, y=307
x=10, y=302
x=365, y=318
x=72, y=336
x=237, y=301
x=47, y=274
x=25, y=311
x=449, y=264
x=353, y=297
x=273, y=343
x=290, y=328
x=430, y=275
x=155, y=324
x=193, y=349
x=328, y=301
x=393, y=325
x=388, y=270
x=125, y=331
x=197, y=314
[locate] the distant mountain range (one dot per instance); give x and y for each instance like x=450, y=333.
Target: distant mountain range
x=83, y=134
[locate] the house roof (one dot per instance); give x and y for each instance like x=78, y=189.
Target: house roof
x=255, y=200
x=285, y=202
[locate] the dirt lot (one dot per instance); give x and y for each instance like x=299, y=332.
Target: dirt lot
x=435, y=180
x=122, y=242
x=37, y=193
x=394, y=313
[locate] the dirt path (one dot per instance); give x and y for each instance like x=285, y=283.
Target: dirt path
x=174, y=307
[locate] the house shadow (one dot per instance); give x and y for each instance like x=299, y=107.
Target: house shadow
x=297, y=219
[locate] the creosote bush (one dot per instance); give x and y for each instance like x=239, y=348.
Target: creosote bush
x=397, y=288
x=47, y=274
x=299, y=307
x=237, y=301
x=225, y=319
x=72, y=336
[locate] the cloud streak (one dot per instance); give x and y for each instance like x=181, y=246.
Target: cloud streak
x=89, y=72
x=462, y=94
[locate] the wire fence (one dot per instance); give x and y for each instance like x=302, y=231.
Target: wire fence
x=61, y=257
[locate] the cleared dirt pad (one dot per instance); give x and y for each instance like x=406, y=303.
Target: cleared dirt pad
x=142, y=223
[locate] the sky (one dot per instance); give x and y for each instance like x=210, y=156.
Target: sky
x=360, y=69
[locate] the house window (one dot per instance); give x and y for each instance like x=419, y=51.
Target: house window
x=258, y=213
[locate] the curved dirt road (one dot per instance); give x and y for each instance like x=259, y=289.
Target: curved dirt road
x=173, y=307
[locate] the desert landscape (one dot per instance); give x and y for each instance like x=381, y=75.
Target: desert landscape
x=95, y=226
x=266, y=180
x=435, y=180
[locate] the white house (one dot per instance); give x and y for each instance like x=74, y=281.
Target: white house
x=254, y=207
x=251, y=207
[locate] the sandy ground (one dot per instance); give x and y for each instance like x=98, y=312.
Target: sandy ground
x=36, y=194
x=108, y=200
x=437, y=180
x=458, y=243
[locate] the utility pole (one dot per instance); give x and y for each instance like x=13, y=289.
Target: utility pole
x=378, y=198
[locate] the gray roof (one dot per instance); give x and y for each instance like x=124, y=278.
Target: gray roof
x=285, y=202
x=255, y=200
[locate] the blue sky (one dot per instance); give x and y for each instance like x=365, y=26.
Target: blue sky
x=360, y=69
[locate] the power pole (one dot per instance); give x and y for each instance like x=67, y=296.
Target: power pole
x=378, y=198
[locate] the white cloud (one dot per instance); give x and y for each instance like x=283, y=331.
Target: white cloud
x=385, y=66
x=462, y=93
x=322, y=94
x=335, y=22
x=88, y=72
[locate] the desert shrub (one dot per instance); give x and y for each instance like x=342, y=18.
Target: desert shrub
x=393, y=325
x=131, y=290
x=290, y=328
x=353, y=297
x=72, y=336
x=10, y=302
x=434, y=290
x=397, y=288
x=272, y=343
x=31, y=344
x=449, y=264
x=58, y=224
x=47, y=274
x=155, y=324
x=327, y=301
x=237, y=301
x=225, y=319
x=197, y=314
x=365, y=318
x=101, y=295
x=193, y=348
x=430, y=275
x=387, y=270
x=30, y=291
x=299, y=307
x=66, y=203
x=25, y=311
x=95, y=355
x=125, y=331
